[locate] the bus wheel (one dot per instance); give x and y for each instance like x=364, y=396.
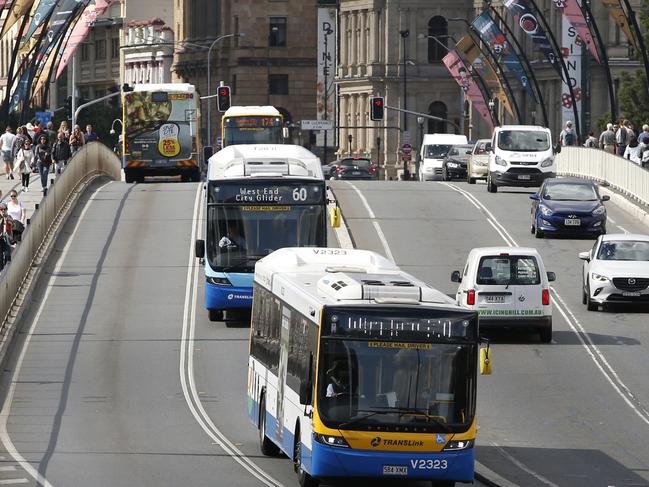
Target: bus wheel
x=215, y=314
x=443, y=483
x=128, y=177
x=303, y=478
x=266, y=446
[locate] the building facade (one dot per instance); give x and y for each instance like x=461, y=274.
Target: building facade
x=272, y=62
x=148, y=52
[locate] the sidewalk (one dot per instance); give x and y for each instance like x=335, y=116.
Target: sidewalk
x=28, y=199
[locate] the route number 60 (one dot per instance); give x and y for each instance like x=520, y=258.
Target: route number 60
x=299, y=194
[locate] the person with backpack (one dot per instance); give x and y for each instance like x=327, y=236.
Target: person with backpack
x=568, y=137
x=43, y=160
x=622, y=138
x=591, y=141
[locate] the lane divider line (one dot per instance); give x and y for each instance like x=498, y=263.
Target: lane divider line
x=187, y=377
x=6, y=407
x=575, y=325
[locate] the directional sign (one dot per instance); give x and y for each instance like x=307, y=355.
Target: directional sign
x=316, y=124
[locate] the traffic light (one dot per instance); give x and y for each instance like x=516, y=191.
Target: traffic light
x=68, y=107
x=223, y=98
x=377, y=108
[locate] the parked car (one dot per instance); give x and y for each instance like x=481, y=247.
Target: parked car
x=478, y=164
x=508, y=287
x=354, y=168
x=455, y=162
x=568, y=206
x=616, y=270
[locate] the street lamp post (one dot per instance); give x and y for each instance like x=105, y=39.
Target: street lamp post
x=420, y=122
x=350, y=137
x=209, y=82
x=404, y=35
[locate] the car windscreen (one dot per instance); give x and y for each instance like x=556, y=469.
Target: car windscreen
x=524, y=140
x=570, y=192
x=508, y=270
x=636, y=250
x=436, y=150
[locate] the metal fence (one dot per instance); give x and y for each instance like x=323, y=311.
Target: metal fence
x=93, y=160
x=620, y=174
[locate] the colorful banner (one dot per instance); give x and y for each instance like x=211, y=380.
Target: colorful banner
x=571, y=48
x=18, y=10
x=460, y=73
x=40, y=15
x=493, y=37
x=528, y=21
x=80, y=31
x=326, y=103
x=572, y=12
x=616, y=12
x=471, y=53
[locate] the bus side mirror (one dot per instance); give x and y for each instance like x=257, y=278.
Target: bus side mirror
x=199, y=248
x=285, y=132
x=551, y=276
x=306, y=388
x=456, y=277
x=335, y=217
x=485, y=361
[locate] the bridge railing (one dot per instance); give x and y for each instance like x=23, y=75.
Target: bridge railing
x=620, y=174
x=93, y=160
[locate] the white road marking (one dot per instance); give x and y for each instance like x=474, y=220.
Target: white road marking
x=623, y=229
x=593, y=351
x=611, y=220
x=187, y=362
x=6, y=407
x=377, y=227
x=14, y=481
x=523, y=467
x=8, y=468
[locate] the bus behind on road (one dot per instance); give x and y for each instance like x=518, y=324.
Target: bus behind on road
x=358, y=369
x=259, y=198
x=160, y=132
x=252, y=125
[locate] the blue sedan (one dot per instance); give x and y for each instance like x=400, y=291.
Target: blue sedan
x=569, y=206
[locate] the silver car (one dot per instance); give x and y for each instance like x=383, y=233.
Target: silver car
x=478, y=165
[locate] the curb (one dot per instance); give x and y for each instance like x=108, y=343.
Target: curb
x=627, y=205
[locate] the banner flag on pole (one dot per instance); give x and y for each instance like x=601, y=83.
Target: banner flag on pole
x=616, y=12
x=470, y=51
x=575, y=16
x=459, y=71
x=529, y=23
x=40, y=15
x=494, y=37
x=80, y=31
x=18, y=10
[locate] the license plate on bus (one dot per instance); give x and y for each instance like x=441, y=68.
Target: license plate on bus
x=524, y=176
x=494, y=299
x=630, y=294
x=395, y=470
x=572, y=222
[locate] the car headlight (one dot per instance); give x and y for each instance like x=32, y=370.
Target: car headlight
x=500, y=161
x=598, y=277
x=458, y=445
x=547, y=162
x=451, y=164
x=219, y=281
x=600, y=210
x=545, y=211
x=330, y=440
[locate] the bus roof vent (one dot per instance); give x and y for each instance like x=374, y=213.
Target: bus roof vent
x=372, y=282
x=402, y=283
x=343, y=286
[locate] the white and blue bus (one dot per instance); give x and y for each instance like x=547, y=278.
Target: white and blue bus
x=358, y=369
x=259, y=198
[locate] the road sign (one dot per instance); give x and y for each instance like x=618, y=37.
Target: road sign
x=406, y=157
x=406, y=149
x=316, y=124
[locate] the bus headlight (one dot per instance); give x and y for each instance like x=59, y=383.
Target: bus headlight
x=458, y=445
x=219, y=281
x=330, y=440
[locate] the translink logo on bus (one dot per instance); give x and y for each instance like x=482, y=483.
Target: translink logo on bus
x=238, y=296
x=377, y=441
x=510, y=312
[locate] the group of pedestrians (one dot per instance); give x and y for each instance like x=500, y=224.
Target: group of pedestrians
x=35, y=150
x=619, y=139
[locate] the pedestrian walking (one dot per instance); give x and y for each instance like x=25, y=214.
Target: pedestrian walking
x=633, y=151
x=607, y=139
x=65, y=129
x=591, y=141
x=18, y=213
x=61, y=153
x=25, y=163
x=6, y=236
x=51, y=133
x=643, y=138
x=622, y=137
x=6, y=147
x=43, y=160
x=76, y=139
x=568, y=137
x=90, y=136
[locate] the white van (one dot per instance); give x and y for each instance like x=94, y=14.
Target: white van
x=522, y=155
x=434, y=148
x=509, y=287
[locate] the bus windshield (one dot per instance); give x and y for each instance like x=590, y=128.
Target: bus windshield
x=390, y=382
x=252, y=129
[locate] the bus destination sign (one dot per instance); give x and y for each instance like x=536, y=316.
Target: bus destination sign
x=299, y=193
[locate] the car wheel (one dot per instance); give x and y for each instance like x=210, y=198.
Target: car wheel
x=445, y=176
x=584, y=296
x=491, y=187
x=470, y=180
x=539, y=233
x=590, y=305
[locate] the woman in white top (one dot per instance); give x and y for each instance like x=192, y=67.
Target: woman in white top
x=633, y=151
x=18, y=212
x=25, y=162
x=6, y=146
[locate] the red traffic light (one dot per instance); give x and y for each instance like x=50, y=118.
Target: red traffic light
x=223, y=98
x=378, y=102
x=376, y=108
x=224, y=91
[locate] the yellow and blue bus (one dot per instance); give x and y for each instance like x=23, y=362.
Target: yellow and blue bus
x=160, y=132
x=358, y=369
x=259, y=198
x=252, y=125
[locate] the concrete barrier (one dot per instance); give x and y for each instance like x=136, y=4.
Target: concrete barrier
x=620, y=174
x=92, y=161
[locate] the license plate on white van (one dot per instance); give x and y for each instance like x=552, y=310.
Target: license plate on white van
x=524, y=176
x=494, y=299
x=572, y=222
x=395, y=470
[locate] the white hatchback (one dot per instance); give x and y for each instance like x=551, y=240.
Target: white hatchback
x=509, y=287
x=616, y=270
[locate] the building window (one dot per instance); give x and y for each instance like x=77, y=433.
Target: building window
x=278, y=84
x=277, y=32
x=438, y=39
x=85, y=52
x=437, y=109
x=100, y=49
x=114, y=48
